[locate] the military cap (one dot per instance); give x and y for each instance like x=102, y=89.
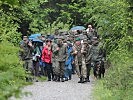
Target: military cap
x=77, y=39
x=94, y=38
x=61, y=37
x=85, y=41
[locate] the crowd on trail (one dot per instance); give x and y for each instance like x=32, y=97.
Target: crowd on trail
x=63, y=54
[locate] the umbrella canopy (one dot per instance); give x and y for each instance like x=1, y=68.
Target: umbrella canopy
x=35, y=40
x=38, y=41
x=34, y=35
x=78, y=28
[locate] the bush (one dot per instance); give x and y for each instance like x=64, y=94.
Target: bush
x=118, y=83
x=12, y=74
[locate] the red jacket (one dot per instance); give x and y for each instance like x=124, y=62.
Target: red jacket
x=45, y=56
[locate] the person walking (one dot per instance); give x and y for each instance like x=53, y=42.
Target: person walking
x=94, y=52
x=61, y=54
x=78, y=58
x=26, y=55
x=69, y=61
x=91, y=32
x=47, y=59
x=36, y=58
x=86, y=55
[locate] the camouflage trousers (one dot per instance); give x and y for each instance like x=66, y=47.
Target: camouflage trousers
x=81, y=69
x=28, y=65
x=58, y=68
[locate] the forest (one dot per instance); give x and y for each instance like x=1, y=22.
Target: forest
x=113, y=20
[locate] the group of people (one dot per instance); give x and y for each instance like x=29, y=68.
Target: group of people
x=64, y=54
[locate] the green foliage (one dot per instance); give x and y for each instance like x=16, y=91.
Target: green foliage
x=8, y=29
x=116, y=25
x=112, y=18
x=10, y=2
x=12, y=74
x=118, y=82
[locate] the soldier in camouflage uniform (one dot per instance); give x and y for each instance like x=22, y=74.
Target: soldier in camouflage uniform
x=79, y=57
x=26, y=55
x=54, y=58
x=59, y=58
x=95, y=53
x=91, y=32
x=86, y=55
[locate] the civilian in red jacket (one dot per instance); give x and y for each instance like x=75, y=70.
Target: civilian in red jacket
x=47, y=57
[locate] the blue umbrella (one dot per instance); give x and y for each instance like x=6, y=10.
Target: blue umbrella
x=34, y=35
x=78, y=28
x=38, y=41
x=35, y=40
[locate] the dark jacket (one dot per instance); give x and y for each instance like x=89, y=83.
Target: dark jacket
x=62, y=53
x=26, y=52
x=95, y=52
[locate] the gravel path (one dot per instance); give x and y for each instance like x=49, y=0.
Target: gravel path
x=70, y=90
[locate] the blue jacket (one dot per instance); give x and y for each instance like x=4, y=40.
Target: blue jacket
x=70, y=57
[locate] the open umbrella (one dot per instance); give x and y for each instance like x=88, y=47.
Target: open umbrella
x=35, y=39
x=34, y=35
x=38, y=41
x=78, y=28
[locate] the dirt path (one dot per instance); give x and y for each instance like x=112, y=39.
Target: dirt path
x=70, y=90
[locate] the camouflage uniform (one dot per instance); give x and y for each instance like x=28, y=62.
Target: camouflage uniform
x=77, y=59
x=91, y=34
x=87, y=56
x=55, y=63
x=95, y=55
x=26, y=55
x=59, y=58
x=80, y=62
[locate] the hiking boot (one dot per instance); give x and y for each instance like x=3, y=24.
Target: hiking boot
x=85, y=80
x=37, y=81
x=88, y=79
x=58, y=79
x=81, y=80
x=66, y=79
x=49, y=79
x=55, y=78
x=70, y=77
x=62, y=79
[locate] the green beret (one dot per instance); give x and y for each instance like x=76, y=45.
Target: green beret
x=77, y=39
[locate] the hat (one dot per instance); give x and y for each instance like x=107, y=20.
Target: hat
x=48, y=39
x=85, y=41
x=94, y=38
x=51, y=37
x=77, y=39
